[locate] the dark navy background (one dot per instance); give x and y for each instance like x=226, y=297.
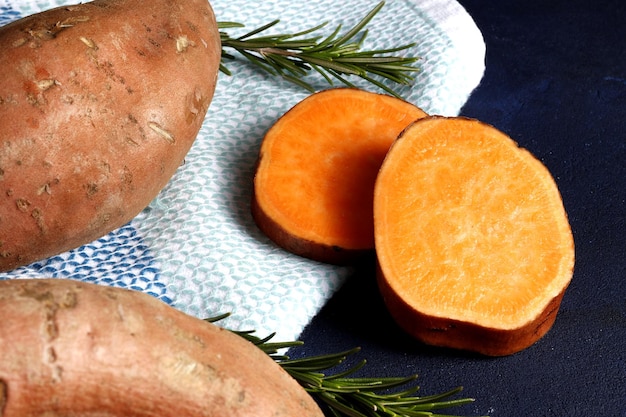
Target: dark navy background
x=555, y=81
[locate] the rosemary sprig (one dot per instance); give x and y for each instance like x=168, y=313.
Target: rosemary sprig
x=347, y=396
x=336, y=56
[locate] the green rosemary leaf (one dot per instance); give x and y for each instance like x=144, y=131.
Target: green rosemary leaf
x=311, y=381
x=346, y=50
x=371, y=384
x=393, y=50
x=366, y=404
x=375, y=60
x=226, y=55
x=323, y=73
x=339, y=407
x=293, y=44
x=342, y=375
x=260, y=62
x=333, y=65
x=318, y=362
x=284, y=66
x=310, y=30
x=229, y=25
x=259, y=30
x=398, y=78
x=265, y=341
x=440, y=405
x=441, y=396
x=345, y=80
x=329, y=40
x=359, y=26
x=275, y=347
x=217, y=318
x=299, y=82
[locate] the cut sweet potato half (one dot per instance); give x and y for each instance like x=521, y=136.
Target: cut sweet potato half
x=314, y=183
x=473, y=243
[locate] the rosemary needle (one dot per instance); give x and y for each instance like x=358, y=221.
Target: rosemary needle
x=343, y=395
x=336, y=57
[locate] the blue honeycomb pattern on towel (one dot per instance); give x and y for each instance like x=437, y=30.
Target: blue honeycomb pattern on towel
x=118, y=259
x=7, y=15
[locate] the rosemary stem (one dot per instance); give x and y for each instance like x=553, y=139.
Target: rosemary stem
x=336, y=56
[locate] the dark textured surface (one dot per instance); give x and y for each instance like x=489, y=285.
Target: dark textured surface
x=556, y=82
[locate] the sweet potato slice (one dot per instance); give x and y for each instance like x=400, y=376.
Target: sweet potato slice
x=70, y=348
x=315, y=177
x=473, y=242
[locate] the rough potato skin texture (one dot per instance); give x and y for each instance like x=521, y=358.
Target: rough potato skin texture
x=71, y=349
x=99, y=104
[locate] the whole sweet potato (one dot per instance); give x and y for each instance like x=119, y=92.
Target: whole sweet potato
x=70, y=348
x=99, y=104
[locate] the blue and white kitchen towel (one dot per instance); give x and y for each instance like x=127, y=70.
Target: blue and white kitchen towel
x=196, y=246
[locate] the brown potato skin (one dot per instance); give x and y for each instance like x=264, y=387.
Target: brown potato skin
x=99, y=104
x=456, y=334
x=71, y=348
x=320, y=252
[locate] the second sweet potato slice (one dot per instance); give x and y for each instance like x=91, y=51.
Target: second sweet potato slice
x=474, y=247
x=313, y=187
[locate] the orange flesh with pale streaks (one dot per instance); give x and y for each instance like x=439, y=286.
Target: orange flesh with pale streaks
x=319, y=162
x=470, y=227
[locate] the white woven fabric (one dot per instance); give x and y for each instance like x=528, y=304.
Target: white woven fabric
x=196, y=246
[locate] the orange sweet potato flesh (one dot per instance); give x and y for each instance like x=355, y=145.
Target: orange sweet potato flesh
x=473, y=243
x=74, y=349
x=314, y=181
x=99, y=104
